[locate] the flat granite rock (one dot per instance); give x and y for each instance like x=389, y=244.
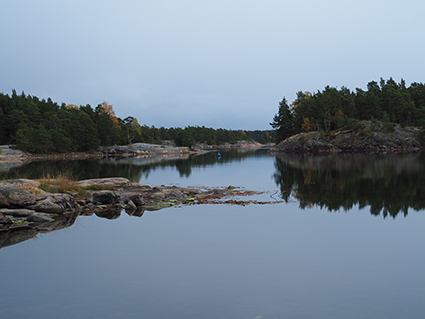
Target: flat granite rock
x=16, y=212
x=113, y=182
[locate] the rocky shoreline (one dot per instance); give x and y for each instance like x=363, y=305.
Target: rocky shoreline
x=26, y=209
x=10, y=156
x=374, y=138
x=24, y=201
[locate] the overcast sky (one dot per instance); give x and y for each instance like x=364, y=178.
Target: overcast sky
x=222, y=63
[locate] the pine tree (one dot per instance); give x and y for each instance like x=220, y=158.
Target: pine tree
x=283, y=122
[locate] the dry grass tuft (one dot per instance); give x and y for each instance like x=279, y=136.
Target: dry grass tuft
x=61, y=183
x=33, y=189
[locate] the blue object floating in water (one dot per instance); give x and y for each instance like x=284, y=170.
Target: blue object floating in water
x=218, y=155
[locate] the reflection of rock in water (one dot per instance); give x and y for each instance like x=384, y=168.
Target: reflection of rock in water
x=137, y=213
x=106, y=197
x=6, y=167
x=10, y=158
x=108, y=214
x=141, y=161
x=17, y=235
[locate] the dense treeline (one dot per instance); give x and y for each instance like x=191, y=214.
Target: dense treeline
x=40, y=126
x=332, y=109
x=262, y=137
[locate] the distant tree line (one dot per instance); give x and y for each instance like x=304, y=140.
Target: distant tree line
x=44, y=126
x=332, y=109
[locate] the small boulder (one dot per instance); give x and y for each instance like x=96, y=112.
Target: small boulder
x=130, y=207
x=137, y=199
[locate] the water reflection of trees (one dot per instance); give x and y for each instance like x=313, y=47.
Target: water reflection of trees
x=390, y=184
x=79, y=169
x=132, y=168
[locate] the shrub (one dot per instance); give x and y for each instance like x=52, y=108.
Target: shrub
x=367, y=133
x=355, y=125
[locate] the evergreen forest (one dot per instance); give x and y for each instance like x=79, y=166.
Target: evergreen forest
x=45, y=127
x=333, y=109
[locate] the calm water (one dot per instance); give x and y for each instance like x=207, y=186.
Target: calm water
x=348, y=243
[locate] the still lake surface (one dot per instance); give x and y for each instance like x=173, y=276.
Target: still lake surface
x=347, y=242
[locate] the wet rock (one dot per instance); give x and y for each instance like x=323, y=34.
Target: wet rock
x=130, y=207
x=106, y=197
x=39, y=217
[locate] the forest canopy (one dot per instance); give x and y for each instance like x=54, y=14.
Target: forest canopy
x=333, y=109
x=44, y=126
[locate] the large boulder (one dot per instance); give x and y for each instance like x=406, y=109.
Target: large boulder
x=15, y=196
x=54, y=204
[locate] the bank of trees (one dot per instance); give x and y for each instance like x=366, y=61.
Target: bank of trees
x=332, y=109
x=44, y=126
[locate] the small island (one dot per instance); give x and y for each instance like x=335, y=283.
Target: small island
x=387, y=117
